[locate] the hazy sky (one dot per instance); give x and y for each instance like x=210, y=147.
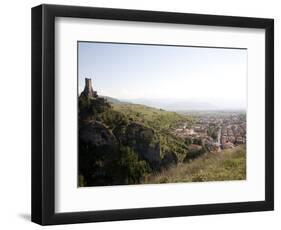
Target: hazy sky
x=127, y=71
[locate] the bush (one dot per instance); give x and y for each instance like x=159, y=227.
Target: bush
x=100, y=166
x=81, y=181
x=132, y=168
x=113, y=118
x=90, y=108
x=194, y=154
x=213, y=132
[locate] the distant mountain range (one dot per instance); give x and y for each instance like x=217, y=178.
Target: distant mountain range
x=176, y=104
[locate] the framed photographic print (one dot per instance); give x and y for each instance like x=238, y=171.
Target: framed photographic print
x=143, y=114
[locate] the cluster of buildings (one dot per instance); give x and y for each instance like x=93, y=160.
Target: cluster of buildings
x=233, y=134
x=214, y=131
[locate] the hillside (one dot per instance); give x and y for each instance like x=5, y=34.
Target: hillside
x=229, y=164
x=112, y=100
x=161, y=121
x=121, y=143
x=156, y=118
x=124, y=143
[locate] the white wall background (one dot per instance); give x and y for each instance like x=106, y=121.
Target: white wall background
x=15, y=113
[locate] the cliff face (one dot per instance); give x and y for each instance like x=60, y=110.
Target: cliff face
x=143, y=140
x=96, y=134
x=113, y=149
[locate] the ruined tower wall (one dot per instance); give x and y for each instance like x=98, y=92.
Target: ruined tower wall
x=88, y=90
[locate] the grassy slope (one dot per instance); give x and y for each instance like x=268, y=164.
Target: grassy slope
x=156, y=118
x=226, y=165
x=160, y=120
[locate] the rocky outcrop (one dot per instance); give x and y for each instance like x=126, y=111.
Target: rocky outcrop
x=97, y=153
x=96, y=134
x=169, y=159
x=143, y=140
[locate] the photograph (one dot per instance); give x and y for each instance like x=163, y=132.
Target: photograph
x=151, y=114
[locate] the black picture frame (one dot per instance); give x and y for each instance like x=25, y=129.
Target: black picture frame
x=43, y=114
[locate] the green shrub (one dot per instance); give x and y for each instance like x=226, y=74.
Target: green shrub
x=194, y=154
x=133, y=168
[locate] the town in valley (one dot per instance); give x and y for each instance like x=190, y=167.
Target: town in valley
x=215, y=130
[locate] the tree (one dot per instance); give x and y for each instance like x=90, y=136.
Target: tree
x=132, y=168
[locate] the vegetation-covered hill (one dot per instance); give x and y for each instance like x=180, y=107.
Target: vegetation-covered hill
x=157, y=118
x=229, y=164
x=162, y=122
x=121, y=143
x=124, y=143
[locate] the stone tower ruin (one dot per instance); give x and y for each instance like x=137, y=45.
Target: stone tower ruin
x=88, y=90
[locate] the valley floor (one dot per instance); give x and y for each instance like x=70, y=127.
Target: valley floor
x=229, y=164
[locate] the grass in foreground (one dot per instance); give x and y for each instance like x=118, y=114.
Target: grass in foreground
x=228, y=164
